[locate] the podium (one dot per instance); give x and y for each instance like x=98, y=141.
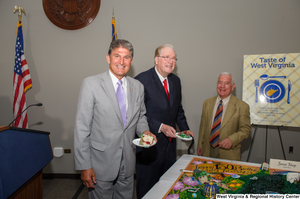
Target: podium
x=23, y=155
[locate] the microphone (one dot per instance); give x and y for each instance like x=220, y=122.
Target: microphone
x=38, y=104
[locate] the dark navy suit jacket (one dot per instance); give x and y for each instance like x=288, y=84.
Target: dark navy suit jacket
x=153, y=162
x=159, y=109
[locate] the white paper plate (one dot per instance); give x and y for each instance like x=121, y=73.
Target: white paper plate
x=185, y=139
x=137, y=141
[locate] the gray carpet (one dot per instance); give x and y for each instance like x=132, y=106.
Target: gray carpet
x=62, y=189
x=65, y=189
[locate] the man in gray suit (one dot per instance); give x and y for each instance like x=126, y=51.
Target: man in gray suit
x=104, y=131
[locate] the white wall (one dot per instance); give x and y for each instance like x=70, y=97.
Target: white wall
x=210, y=36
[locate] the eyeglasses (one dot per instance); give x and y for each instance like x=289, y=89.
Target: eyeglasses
x=167, y=58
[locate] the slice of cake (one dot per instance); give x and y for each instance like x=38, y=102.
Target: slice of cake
x=146, y=140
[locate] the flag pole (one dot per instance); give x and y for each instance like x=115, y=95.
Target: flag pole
x=113, y=17
x=114, y=27
x=20, y=10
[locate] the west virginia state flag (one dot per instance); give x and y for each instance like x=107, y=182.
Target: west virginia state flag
x=114, y=29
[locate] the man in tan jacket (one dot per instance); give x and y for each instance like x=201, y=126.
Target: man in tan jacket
x=225, y=122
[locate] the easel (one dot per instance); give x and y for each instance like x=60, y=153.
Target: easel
x=255, y=126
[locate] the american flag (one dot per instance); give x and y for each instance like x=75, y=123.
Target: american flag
x=22, y=81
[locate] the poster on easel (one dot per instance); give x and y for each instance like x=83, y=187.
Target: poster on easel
x=271, y=87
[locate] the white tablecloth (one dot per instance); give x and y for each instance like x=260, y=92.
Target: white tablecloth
x=168, y=179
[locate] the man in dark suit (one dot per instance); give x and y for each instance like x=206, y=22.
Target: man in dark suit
x=105, y=128
x=164, y=111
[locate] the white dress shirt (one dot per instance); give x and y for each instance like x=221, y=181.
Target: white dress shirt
x=162, y=79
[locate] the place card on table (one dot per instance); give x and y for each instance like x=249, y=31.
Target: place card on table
x=284, y=165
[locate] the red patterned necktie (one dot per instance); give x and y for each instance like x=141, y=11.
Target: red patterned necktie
x=215, y=129
x=167, y=92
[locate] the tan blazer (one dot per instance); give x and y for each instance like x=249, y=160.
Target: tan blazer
x=235, y=125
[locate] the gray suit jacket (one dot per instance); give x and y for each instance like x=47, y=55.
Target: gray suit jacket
x=100, y=138
x=235, y=125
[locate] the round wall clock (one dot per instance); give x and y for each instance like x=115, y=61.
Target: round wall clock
x=71, y=14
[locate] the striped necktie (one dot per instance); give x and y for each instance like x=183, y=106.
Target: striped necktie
x=215, y=129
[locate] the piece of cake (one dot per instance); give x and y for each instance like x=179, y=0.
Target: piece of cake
x=146, y=140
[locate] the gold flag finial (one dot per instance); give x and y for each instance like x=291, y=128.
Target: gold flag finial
x=113, y=14
x=20, y=10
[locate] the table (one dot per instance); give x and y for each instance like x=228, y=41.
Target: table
x=168, y=179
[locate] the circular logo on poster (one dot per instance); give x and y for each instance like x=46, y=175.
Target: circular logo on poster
x=71, y=14
x=272, y=90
